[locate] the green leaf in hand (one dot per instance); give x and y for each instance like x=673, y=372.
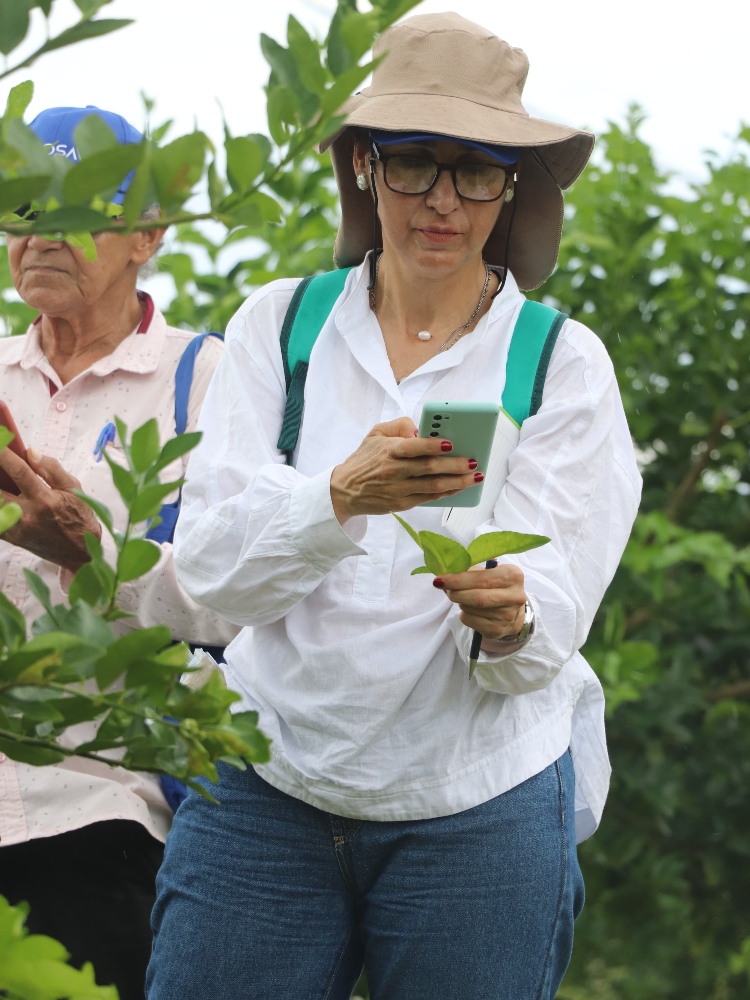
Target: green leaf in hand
x=445, y=555
x=502, y=543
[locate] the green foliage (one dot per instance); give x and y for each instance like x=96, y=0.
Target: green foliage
x=663, y=278
x=209, y=291
x=445, y=555
x=35, y=967
x=76, y=668
x=306, y=88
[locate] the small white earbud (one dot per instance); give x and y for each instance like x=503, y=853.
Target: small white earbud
x=361, y=182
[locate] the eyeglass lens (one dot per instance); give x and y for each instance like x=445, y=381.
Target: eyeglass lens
x=416, y=174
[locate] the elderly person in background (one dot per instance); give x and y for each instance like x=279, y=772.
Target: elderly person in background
x=82, y=842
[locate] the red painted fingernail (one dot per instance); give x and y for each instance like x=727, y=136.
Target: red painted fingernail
x=478, y=477
x=473, y=463
x=446, y=446
x=439, y=583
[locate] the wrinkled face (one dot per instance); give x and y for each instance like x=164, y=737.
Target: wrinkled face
x=57, y=280
x=437, y=229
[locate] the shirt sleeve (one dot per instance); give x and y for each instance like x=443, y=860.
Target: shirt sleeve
x=255, y=536
x=157, y=597
x=574, y=478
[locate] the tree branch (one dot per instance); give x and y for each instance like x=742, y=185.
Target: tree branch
x=729, y=691
x=693, y=474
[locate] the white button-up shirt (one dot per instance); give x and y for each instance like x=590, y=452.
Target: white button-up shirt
x=135, y=382
x=358, y=670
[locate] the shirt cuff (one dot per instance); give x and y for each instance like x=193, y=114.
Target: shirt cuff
x=319, y=537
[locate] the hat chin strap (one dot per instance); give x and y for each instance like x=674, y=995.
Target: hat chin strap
x=374, y=257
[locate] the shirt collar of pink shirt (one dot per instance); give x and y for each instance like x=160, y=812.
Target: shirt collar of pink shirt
x=137, y=354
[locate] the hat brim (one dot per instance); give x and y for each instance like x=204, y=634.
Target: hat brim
x=564, y=150
x=537, y=217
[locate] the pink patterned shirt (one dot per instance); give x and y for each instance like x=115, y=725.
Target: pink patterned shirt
x=135, y=382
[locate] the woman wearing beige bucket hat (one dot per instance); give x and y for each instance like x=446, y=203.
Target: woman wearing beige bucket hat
x=415, y=817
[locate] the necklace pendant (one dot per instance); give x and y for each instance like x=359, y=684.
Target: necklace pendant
x=424, y=335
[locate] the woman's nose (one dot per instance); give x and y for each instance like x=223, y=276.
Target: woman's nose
x=443, y=196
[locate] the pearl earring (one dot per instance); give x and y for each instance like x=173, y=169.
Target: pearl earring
x=361, y=182
x=509, y=194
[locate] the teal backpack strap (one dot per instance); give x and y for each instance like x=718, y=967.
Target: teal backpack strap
x=308, y=311
x=531, y=346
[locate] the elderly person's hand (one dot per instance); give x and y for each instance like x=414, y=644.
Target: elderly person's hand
x=54, y=520
x=492, y=601
x=395, y=470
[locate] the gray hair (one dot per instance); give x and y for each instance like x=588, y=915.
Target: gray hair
x=151, y=267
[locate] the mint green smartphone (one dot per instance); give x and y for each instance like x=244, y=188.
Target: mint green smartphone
x=470, y=427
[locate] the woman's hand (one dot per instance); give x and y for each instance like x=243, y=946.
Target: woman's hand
x=395, y=470
x=492, y=601
x=54, y=520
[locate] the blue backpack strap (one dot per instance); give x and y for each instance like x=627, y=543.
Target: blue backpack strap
x=175, y=792
x=534, y=338
x=183, y=378
x=311, y=305
x=183, y=381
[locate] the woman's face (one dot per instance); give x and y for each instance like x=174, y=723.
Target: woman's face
x=56, y=279
x=437, y=230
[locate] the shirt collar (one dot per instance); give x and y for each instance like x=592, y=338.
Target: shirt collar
x=137, y=354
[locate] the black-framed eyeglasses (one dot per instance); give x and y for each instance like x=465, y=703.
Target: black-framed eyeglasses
x=417, y=174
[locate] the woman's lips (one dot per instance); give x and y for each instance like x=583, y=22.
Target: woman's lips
x=439, y=236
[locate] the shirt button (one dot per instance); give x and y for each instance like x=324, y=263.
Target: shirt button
x=375, y=558
x=61, y=407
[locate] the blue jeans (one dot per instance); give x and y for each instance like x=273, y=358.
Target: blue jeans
x=267, y=898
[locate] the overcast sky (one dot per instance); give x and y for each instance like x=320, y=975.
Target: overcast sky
x=685, y=62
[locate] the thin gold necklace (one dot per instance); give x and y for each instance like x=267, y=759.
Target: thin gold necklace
x=456, y=335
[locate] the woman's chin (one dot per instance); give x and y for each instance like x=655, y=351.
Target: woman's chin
x=440, y=258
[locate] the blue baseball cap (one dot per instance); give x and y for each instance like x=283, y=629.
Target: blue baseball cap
x=55, y=127
x=506, y=155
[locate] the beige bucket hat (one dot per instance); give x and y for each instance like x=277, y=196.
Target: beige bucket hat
x=446, y=75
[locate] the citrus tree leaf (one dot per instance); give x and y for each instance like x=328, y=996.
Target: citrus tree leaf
x=502, y=543
x=136, y=559
x=306, y=54
x=10, y=514
x=21, y=190
x=148, y=502
x=176, y=448
x=14, y=23
x=413, y=534
x=144, y=446
x=443, y=554
x=102, y=173
x=101, y=510
x=81, y=31
x=19, y=98
x=245, y=160
x=26, y=754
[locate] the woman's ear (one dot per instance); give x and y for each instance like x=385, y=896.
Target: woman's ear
x=361, y=158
